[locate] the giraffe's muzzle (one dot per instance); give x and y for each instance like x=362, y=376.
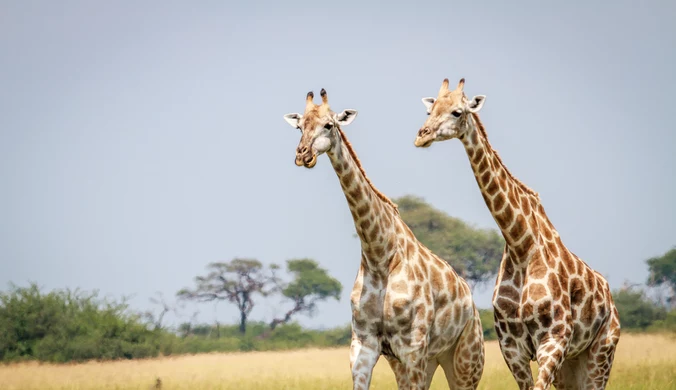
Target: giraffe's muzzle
x=308, y=160
x=425, y=138
x=305, y=157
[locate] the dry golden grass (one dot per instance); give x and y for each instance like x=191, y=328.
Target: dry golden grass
x=642, y=362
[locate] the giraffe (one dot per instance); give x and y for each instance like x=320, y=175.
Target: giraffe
x=549, y=305
x=407, y=304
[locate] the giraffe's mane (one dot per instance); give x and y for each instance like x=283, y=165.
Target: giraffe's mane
x=379, y=194
x=484, y=135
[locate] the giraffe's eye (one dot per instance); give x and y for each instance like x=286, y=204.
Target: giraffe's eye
x=456, y=113
x=328, y=126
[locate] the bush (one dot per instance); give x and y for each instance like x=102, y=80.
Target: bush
x=637, y=312
x=668, y=324
x=488, y=324
x=258, y=337
x=69, y=325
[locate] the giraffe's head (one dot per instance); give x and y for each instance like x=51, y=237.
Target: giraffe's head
x=448, y=115
x=319, y=128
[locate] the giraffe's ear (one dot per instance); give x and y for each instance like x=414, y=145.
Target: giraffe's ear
x=346, y=117
x=428, y=102
x=476, y=103
x=293, y=119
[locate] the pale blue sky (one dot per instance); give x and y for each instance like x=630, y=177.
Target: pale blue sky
x=141, y=140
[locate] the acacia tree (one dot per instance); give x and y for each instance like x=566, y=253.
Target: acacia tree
x=310, y=285
x=663, y=274
x=474, y=253
x=237, y=282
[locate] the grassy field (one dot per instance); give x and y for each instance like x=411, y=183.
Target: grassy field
x=642, y=362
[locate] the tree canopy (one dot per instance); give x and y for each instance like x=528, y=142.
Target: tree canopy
x=663, y=273
x=236, y=281
x=474, y=253
x=310, y=285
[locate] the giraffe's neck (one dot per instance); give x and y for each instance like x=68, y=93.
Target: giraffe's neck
x=373, y=213
x=512, y=204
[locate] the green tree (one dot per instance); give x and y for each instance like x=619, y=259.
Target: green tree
x=663, y=273
x=474, y=253
x=636, y=311
x=310, y=285
x=236, y=282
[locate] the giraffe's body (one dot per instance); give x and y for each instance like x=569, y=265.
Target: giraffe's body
x=549, y=305
x=407, y=303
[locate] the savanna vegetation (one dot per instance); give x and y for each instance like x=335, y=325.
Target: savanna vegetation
x=642, y=362
x=73, y=325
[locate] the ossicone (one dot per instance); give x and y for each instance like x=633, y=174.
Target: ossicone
x=308, y=99
x=461, y=84
x=325, y=97
x=444, y=87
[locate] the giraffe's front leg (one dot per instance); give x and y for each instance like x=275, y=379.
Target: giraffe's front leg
x=364, y=354
x=518, y=363
x=516, y=358
x=550, y=355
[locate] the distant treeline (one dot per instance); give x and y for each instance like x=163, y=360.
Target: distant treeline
x=65, y=325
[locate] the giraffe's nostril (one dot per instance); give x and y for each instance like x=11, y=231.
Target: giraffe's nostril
x=424, y=132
